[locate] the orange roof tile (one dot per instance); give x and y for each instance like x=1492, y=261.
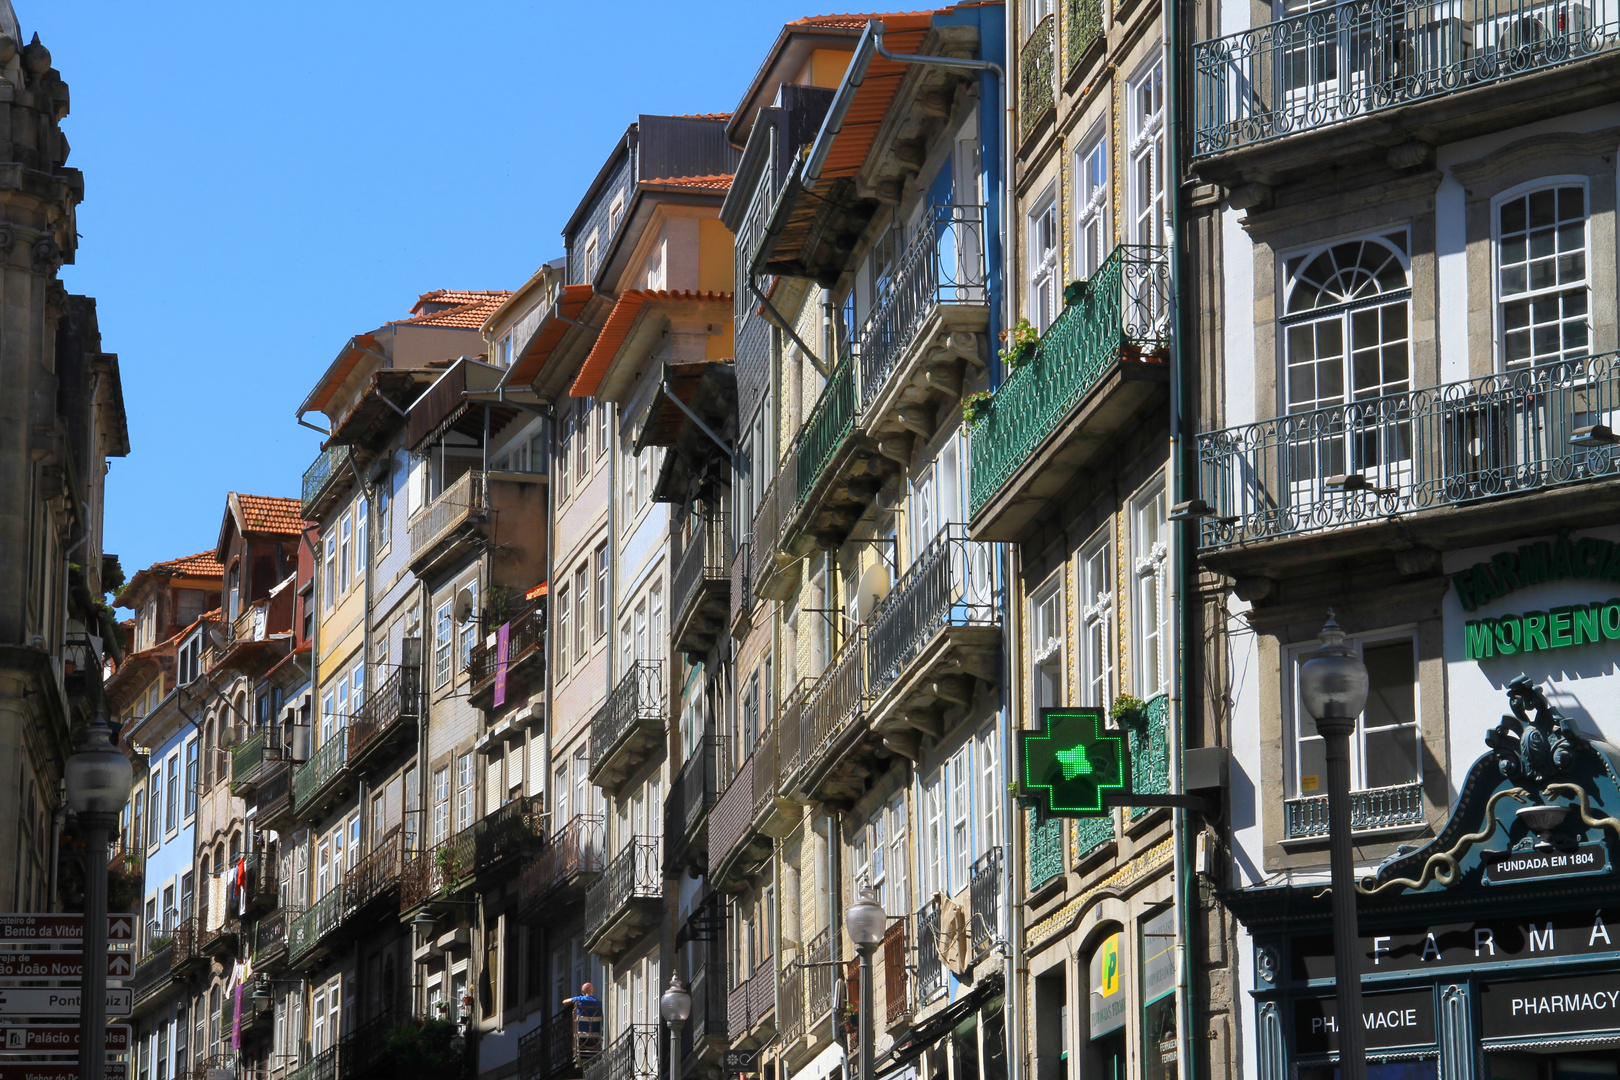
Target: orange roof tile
x=202, y=564
x=704, y=116
x=853, y=19
x=904, y=34
x=271, y=514
x=708, y=183
x=467, y=310
x=569, y=304
x=617, y=328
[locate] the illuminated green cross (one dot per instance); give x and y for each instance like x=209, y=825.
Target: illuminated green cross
x=1071, y=762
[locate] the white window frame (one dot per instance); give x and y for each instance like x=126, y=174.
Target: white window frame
x=1499, y=301
x=1044, y=246
x=1358, y=754
x=1093, y=223
x=1098, y=619
x=1145, y=150
x=1047, y=639
x=1149, y=569
x=444, y=638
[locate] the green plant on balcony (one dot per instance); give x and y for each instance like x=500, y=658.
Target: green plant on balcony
x=976, y=406
x=448, y=863
x=1127, y=709
x=423, y=1048
x=1021, y=340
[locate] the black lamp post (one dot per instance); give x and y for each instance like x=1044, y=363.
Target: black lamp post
x=676, y=1007
x=865, y=920
x=98, y=780
x=1333, y=686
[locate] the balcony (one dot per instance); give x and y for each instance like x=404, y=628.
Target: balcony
x=1097, y=368
x=270, y=938
x=775, y=573
x=1037, y=76
x=1397, y=807
x=471, y=855
x=705, y=1034
x=751, y=1008
x=627, y=900
x=751, y=813
x=1352, y=477
x=1366, y=76
x=928, y=328
x=632, y=1055
x=701, y=590
x=1148, y=745
x=629, y=727
x=322, y=779
x=742, y=590
x=558, y=874
x=1082, y=28
x=525, y=647
x=561, y=1047
x=323, y=1066
x=686, y=809
x=818, y=981
x=274, y=794
x=309, y=936
x=937, y=629
x=153, y=975
x=984, y=895
x=323, y=478
x=832, y=754
x=376, y=876
x=187, y=955
x=931, y=949
x=436, y=530
x=386, y=723
x=248, y=762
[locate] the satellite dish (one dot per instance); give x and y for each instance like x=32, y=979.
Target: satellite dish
x=464, y=605
x=873, y=587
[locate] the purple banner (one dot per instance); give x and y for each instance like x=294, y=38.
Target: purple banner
x=236, y=1021
x=502, y=637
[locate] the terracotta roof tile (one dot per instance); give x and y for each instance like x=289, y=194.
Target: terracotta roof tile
x=852, y=19
x=462, y=309
x=704, y=116
x=617, y=328
x=271, y=514
x=718, y=182
x=202, y=564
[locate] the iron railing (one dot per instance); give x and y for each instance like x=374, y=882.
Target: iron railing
x=323, y=1066
x=836, y=701
x=274, y=795
x=270, y=932
x=742, y=582
x=398, y=698
x=1358, y=58
x=896, y=996
x=1121, y=310
x=327, y=464
x=1037, y=75
x=633, y=874
x=942, y=266
x=984, y=894
x=322, y=768
x=824, y=431
x=574, y=851
x=705, y=558
x=152, y=973
x=247, y=758
x=466, y=498
x=1383, y=457
x=1373, y=808
x=821, y=979
x=524, y=636
x=1082, y=28
x=639, y=697
x=562, y=1045
x=950, y=583
x=314, y=923
x=751, y=1000
x=377, y=872
x=632, y=1055
x=708, y=994
x=693, y=791
x=930, y=960
x=793, y=742
x=767, y=529
x=456, y=861
x=733, y=814
x=792, y=1018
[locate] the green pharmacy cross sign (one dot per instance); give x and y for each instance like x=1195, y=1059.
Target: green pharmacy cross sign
x=1072, y=763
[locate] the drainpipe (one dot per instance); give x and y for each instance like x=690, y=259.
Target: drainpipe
x=1184, y=624
x=58, y=819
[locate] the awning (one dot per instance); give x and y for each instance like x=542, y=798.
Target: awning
x=936, y=1027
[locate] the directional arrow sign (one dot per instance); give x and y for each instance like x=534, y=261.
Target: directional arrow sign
x=58, y=1038
x=56, y=1070
x=67, y=929
x=1071, y=763
x=43, y=1001
x=61, y=965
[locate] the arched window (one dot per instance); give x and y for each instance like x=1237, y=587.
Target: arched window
x=208, y=753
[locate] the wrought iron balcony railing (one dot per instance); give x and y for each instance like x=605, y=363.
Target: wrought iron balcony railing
x=467, y=498
x=270, y=933
x=321, y=769
x=377, y=872
x=1372, y=808
x=1037, y=75
x=638, y=699
x=1121, y=310
x=984, y=894
x=825, y=429
x=704, y=562
x=327, y=466
x=397, y=699
x=742, y=583
x=454, y=863
x=1332, y=64
x=930, y=960
x=152, y=973
x=1378, y=458
x=1082, y=28
x=693, y=791
x=942, y=266
x=562, y=1045
x=633, y=875
x=836, y=702
x=314, y=923
x=950, y=583
x=247, y=760
x=751, y=1000
x=633, y=1055
x=820, y=980
x=573, y=853
x=708, y=990
x=524, y=636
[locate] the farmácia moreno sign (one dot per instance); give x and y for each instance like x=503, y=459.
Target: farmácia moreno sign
x=1564, y=558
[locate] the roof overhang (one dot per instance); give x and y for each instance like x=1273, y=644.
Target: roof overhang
x=694, y=414
x=381, y=408
x=642, y=322
x=337, y=373
x=560, y=322
x=786, y=58
x=649, y=198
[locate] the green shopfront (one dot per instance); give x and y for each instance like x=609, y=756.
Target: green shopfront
x=1491, y=951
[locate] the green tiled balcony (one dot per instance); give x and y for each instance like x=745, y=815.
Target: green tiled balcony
x=1148, y=736
x=318, y=776
x=1098, y=366
x=830, y=423
x=247, y=763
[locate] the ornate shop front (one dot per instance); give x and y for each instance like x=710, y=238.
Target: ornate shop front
x=1492, y=951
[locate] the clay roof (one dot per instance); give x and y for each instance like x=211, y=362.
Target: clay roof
x=708, y=183
x=617, y=329
x=705, y=116
x=271, y=514
x=526, y=367
x=853, y=20
x=468, y=310
x=202, y=564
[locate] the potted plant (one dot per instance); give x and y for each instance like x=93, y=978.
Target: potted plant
x=1021, y=340
x=1127, y=709
x=1073, y=291
x=976, y=406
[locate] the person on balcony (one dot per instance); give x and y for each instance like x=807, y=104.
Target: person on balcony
x=587, y=1020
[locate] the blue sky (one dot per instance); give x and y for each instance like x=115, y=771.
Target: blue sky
x=263, y=180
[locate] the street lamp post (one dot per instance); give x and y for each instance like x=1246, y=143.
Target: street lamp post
x=1333, y=686
x=98, y=780
x=865, y=920
x=676, y=1007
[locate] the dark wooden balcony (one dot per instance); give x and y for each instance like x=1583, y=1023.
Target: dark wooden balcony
x=629, y=727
